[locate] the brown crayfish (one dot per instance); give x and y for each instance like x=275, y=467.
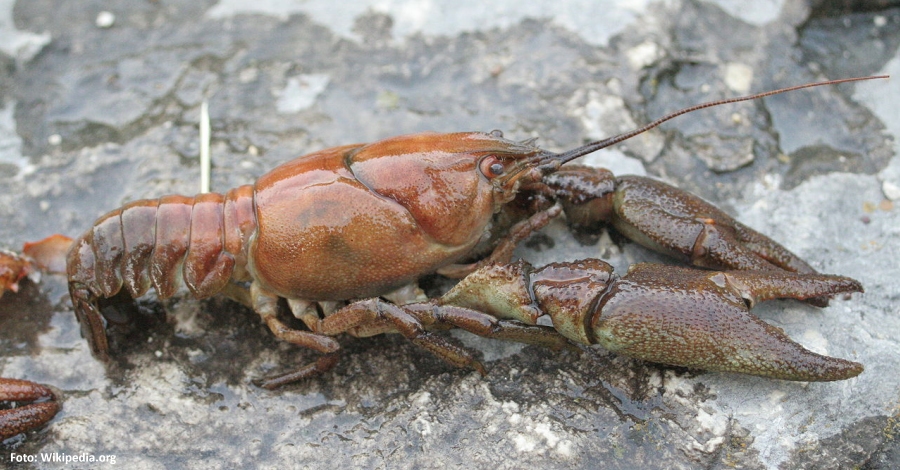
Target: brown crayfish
x=340, y=231
x=46, y=255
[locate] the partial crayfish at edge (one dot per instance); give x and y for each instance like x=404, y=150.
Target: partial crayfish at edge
x=343, y=234
x=37, y=403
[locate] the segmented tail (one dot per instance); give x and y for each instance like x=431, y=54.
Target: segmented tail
x=201, y=241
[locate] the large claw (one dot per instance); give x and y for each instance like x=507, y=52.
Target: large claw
x=681, y=224
x=671, y=221
x=40, y=406
x=665, y=314
x=702, y=319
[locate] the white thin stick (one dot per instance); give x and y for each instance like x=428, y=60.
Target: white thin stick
x=204, y=148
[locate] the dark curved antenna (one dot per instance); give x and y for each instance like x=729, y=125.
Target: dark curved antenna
x=594, y=146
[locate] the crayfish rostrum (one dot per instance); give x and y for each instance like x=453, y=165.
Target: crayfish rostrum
x=341, y=232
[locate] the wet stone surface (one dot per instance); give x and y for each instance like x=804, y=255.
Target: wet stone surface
x=98, y=112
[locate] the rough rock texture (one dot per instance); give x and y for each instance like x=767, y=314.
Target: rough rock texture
x=97, y=110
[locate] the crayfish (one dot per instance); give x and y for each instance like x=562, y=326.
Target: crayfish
x=40, y=402
x=341, y=233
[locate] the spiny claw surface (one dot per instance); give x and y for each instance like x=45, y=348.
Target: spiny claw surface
x=665, y=314
x=700, y=319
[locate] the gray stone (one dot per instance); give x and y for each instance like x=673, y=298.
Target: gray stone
x=103, y=116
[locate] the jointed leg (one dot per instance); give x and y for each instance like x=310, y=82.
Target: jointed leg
x=377, y=316
x=356, y=317
x=322, y=365
x=488, y=326
x=266, y=305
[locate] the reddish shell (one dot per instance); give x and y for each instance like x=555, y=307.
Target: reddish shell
x=12, y=269
x=358, y=221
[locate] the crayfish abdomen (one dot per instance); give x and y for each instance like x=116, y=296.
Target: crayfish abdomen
x=199, y=240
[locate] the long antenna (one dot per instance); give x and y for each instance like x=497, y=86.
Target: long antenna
x=594, y=146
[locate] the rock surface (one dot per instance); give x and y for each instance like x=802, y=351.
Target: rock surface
x=99, y=103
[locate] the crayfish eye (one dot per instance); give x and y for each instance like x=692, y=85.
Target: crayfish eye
x=491, y=167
